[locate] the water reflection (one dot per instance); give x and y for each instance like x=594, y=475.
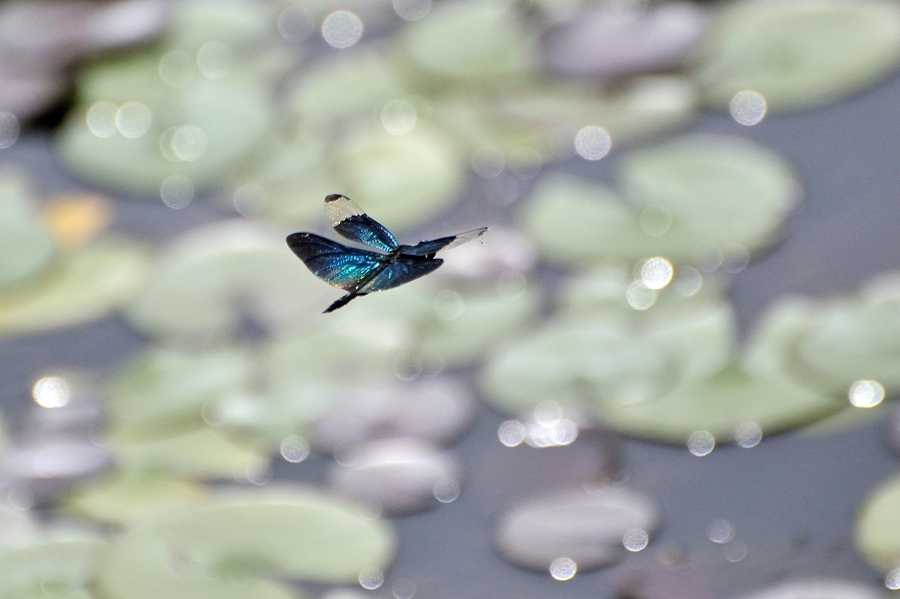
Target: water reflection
x=342, y=29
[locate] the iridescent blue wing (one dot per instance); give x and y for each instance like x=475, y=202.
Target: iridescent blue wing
x=350, y=221
x=426, y=248
x=400, y=272
x=334, y=263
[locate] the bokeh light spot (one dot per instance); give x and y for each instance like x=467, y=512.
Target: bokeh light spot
x=177, y=191
x=294, y=449
x=593, y=142
x=748, y=107
x=635, y=539
x=189, y=143
x=411, y=10
x=296, y=23
x=101, y=119
x=639, y=296
x=214, y=59
x=701, y=443
x=656, y=273
x=488, y=162
x=511, y=433
x=563, y=568
x=176, y=68
x=720, y=531
x=398, y=117
x=342, y=29
x=748, y=435
x=371, y=578
x=865, y=393
x=133, y=119
x=51, y=392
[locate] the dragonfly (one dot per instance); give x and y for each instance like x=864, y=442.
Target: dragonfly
x=359, y=271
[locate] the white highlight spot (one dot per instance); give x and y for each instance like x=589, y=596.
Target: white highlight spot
x=593, y=142
x=51, y=392
x=342, y=29
x=748, y=107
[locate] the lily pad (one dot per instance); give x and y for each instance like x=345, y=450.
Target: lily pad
x=725, y=189
x=586, y=528
x=817, y=588
x=854, y=341
x=471, y=39
x=135, y=497
x=800, y=54
x=229, y=548
x=877, y=527
x=26, y=247
x=403, y=180
x=719, y=405
x=87, y=285
x=201, y=453
x=162, y=389
x=67, y=566
x=213, y=275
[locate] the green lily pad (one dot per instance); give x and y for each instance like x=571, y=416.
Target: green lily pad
x=26, y=247
x=579, y=362
x=65, y=567
x=800, y=54
x=86, y=286
x=878, y=527
x=726, y=190
x=134, y=497
x=162, y=389
x=719, y=405
x=853, y=341
x=202, y=453
x=210, y=277
x=403, y=180
x=466, y=39
x=348, y=84
x=227, y=549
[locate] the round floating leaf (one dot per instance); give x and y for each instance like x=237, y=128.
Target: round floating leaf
x=473, y=322
x=87, y=285
x=26, y=248
x=66, y=566
x=802, y=53
x=577, y=362
x=468, y=39
x=347, y=85
x=720, y=404
x=226, y=549
x=199, y=453
x=164, y=388
x=878, y=527
x=726, y=190
x=404, y=180
x=853, y=341
x=134, y=497
x=196, y=131
x=587, y=528
x=211, y=276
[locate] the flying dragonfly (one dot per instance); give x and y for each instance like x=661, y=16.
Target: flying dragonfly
x=358, y=271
